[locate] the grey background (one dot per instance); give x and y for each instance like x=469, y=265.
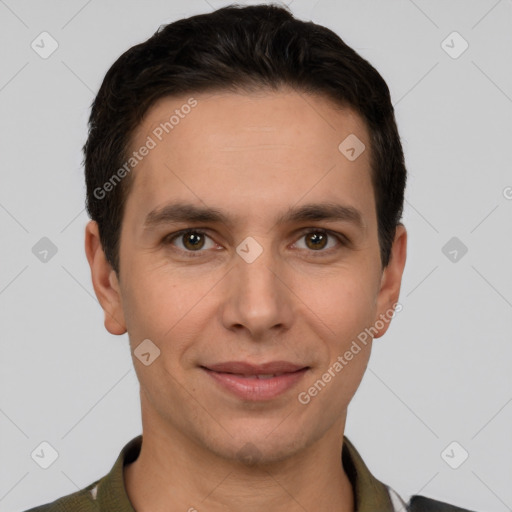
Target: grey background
x=441, y=373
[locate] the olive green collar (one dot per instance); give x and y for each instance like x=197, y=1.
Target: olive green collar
x=369, y=493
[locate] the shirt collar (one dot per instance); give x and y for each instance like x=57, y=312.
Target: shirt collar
x=370, y=495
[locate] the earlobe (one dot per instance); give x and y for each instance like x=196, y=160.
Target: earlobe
x=104, y=281
x=391, y=282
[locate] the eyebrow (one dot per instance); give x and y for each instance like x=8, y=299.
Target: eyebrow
x=187, y=212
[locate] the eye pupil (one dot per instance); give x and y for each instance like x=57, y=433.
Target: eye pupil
x=194, y=239
x=319, y=240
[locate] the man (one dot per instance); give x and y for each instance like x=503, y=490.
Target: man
x=245, y=180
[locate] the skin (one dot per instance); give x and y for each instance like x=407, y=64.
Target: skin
x=252, y=155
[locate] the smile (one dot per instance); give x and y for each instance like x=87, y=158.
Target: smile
x=255, y=383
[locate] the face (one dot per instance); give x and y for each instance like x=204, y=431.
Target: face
x=286, y=271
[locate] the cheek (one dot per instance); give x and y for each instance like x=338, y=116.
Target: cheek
x=347, y=309
x=344, y=302
x=150, y=306
x=165, y=307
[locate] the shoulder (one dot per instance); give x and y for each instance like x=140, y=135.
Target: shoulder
x=424, y=504
x=105, y=494
x=79, y=501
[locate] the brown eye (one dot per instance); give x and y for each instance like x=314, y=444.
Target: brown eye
x=193, y=240
x=317, y=239
x=190, y=241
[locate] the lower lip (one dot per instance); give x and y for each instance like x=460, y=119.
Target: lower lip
x=257, y=389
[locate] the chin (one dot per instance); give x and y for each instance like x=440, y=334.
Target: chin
x=256, y=446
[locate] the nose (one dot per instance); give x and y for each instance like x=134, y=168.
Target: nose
x=258, y=298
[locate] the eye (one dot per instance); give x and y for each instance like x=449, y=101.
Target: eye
x=192, y=240
x=316, y=240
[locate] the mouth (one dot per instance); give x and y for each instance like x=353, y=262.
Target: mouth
x=256, y=382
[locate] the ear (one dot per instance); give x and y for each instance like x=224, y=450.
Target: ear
x=104, y=281
x=391, y=281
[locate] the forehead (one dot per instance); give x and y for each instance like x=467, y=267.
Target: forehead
x=275, y=147
x=213, y=118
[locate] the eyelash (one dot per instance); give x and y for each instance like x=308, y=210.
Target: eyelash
x=343, y=241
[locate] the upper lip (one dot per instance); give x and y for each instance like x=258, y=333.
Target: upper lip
x=245, y=368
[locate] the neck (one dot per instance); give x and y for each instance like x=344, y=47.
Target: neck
x=174, y=472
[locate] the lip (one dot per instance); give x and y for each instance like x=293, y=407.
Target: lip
x=240, y=378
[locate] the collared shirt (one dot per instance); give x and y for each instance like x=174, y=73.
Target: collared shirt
x=108, y=494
